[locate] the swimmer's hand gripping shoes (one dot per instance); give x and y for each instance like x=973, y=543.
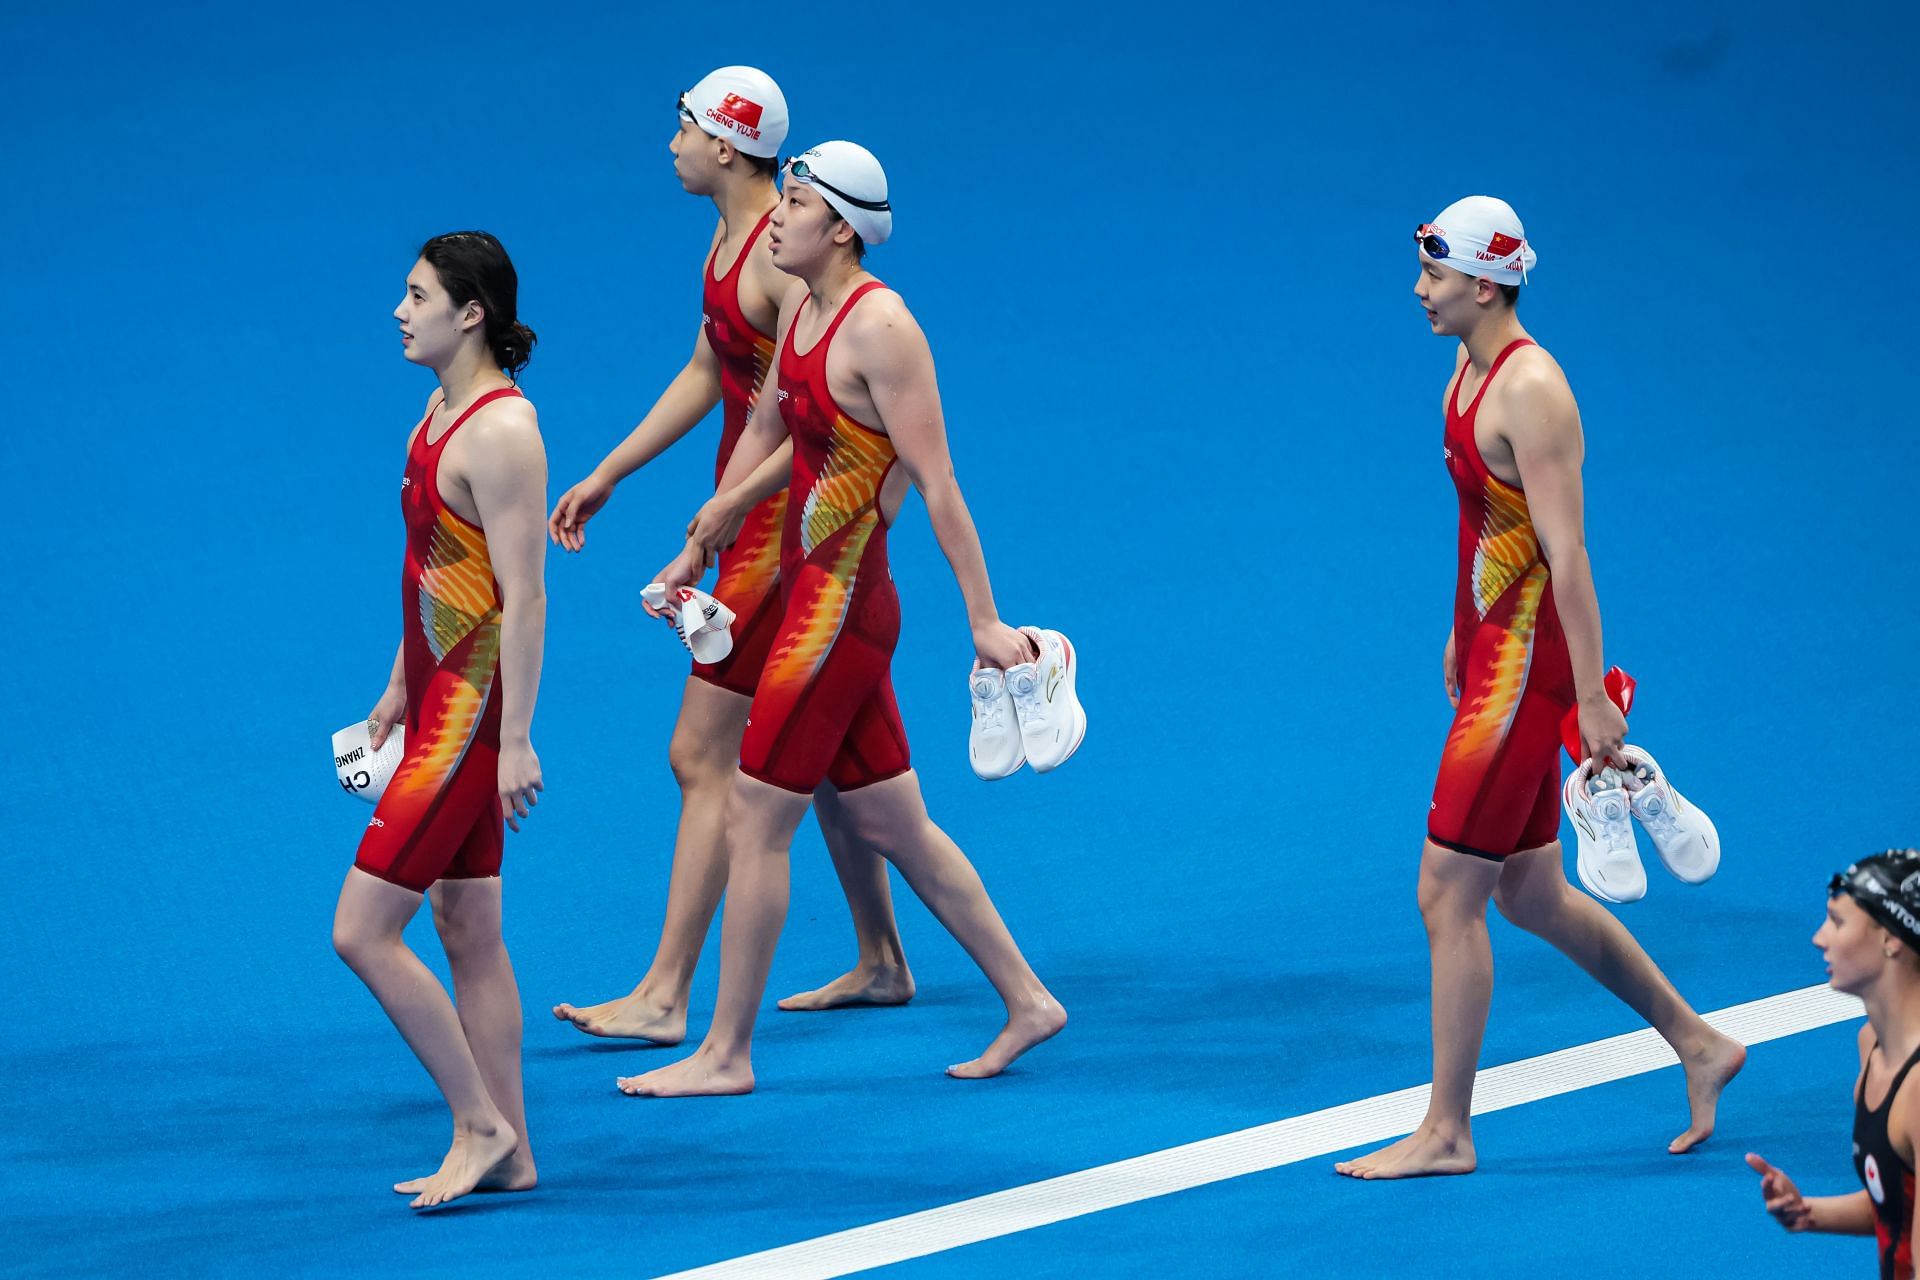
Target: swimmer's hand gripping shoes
x=1602, y=806
x=1039, y=697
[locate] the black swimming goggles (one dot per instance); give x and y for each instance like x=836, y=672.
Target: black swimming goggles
x=803, y=172
x=1430, y=241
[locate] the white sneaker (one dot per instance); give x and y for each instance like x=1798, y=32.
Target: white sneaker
x=994, y=747
x=1683, y=836
x=1608, y=859
x=1052, y=721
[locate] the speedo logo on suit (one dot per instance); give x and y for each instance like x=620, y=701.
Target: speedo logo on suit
x=742, y=115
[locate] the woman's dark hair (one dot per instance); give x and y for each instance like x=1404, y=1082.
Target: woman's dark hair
x=473, y=267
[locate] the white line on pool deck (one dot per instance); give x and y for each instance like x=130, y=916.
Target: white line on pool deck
x=1266, y=1146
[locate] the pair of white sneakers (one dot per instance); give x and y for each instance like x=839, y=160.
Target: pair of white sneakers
x=1603, y=807
x=1027, y=714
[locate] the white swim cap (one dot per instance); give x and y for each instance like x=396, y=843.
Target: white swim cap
x=1482, y=236
x=742, y=105
x=362, y=771
x=704, y=624
x=848, y=177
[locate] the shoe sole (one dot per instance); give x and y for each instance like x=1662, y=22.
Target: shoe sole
x=1068, y=681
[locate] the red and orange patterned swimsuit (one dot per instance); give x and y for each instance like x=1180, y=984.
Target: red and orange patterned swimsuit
x=825, y=709
x=1498, y=789
x=440, y=816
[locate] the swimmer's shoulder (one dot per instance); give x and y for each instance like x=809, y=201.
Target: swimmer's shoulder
x=508, y=420
x=1532, y=388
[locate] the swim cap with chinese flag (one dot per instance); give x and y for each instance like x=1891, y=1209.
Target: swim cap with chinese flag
x=742, y=105
x=1483, y=237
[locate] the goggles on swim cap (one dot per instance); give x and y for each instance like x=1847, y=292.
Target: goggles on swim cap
x=1433, y=243
x=803, y=172
x=1887, y=887
x=1480, y=236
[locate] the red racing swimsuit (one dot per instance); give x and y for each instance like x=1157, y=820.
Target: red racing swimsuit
x=825, y=709
x=1498, y=789
x=750, y=568
x=440, y=816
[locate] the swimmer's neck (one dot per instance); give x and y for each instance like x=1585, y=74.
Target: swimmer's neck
x=469, y=375
x=830, y=287
x=742, y=202
x=1894, y=1010
x=1493, y=335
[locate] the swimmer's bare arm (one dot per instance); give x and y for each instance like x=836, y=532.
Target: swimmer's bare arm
x=1541, y=424
x=760, y=466
x=1848, y=1215
x=392, y=707
x=1449, y=668
x=755, y=472
x=892, y=357
x=506, y=471
x=688, y=398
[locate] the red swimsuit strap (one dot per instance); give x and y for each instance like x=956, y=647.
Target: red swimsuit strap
x=487, y=399
x=1453, y=400
x=713, y=254
x=833, y=326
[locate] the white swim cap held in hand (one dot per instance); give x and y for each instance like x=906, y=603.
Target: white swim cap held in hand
x=704, y=625
x=742, y=105
x=1482, y=236
x=361, y=770
x=849, y=178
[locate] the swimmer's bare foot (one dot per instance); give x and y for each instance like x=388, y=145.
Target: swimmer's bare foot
x=705, y=1075
x=475, y=1153
x=637, y=1016
x=1710, y=1066
x=1026, y=1028
x=515, y=1173
x=878, y=985
x=1424, y=1153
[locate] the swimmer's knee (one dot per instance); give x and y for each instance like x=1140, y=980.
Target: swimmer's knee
x=1516, y=906
x=354, y=943
x=696, y=759
x=465, y=942
x=1445, y=902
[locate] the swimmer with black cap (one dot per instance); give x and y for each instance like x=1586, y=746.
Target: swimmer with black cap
x=1871, y=940
x=1523, y=651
